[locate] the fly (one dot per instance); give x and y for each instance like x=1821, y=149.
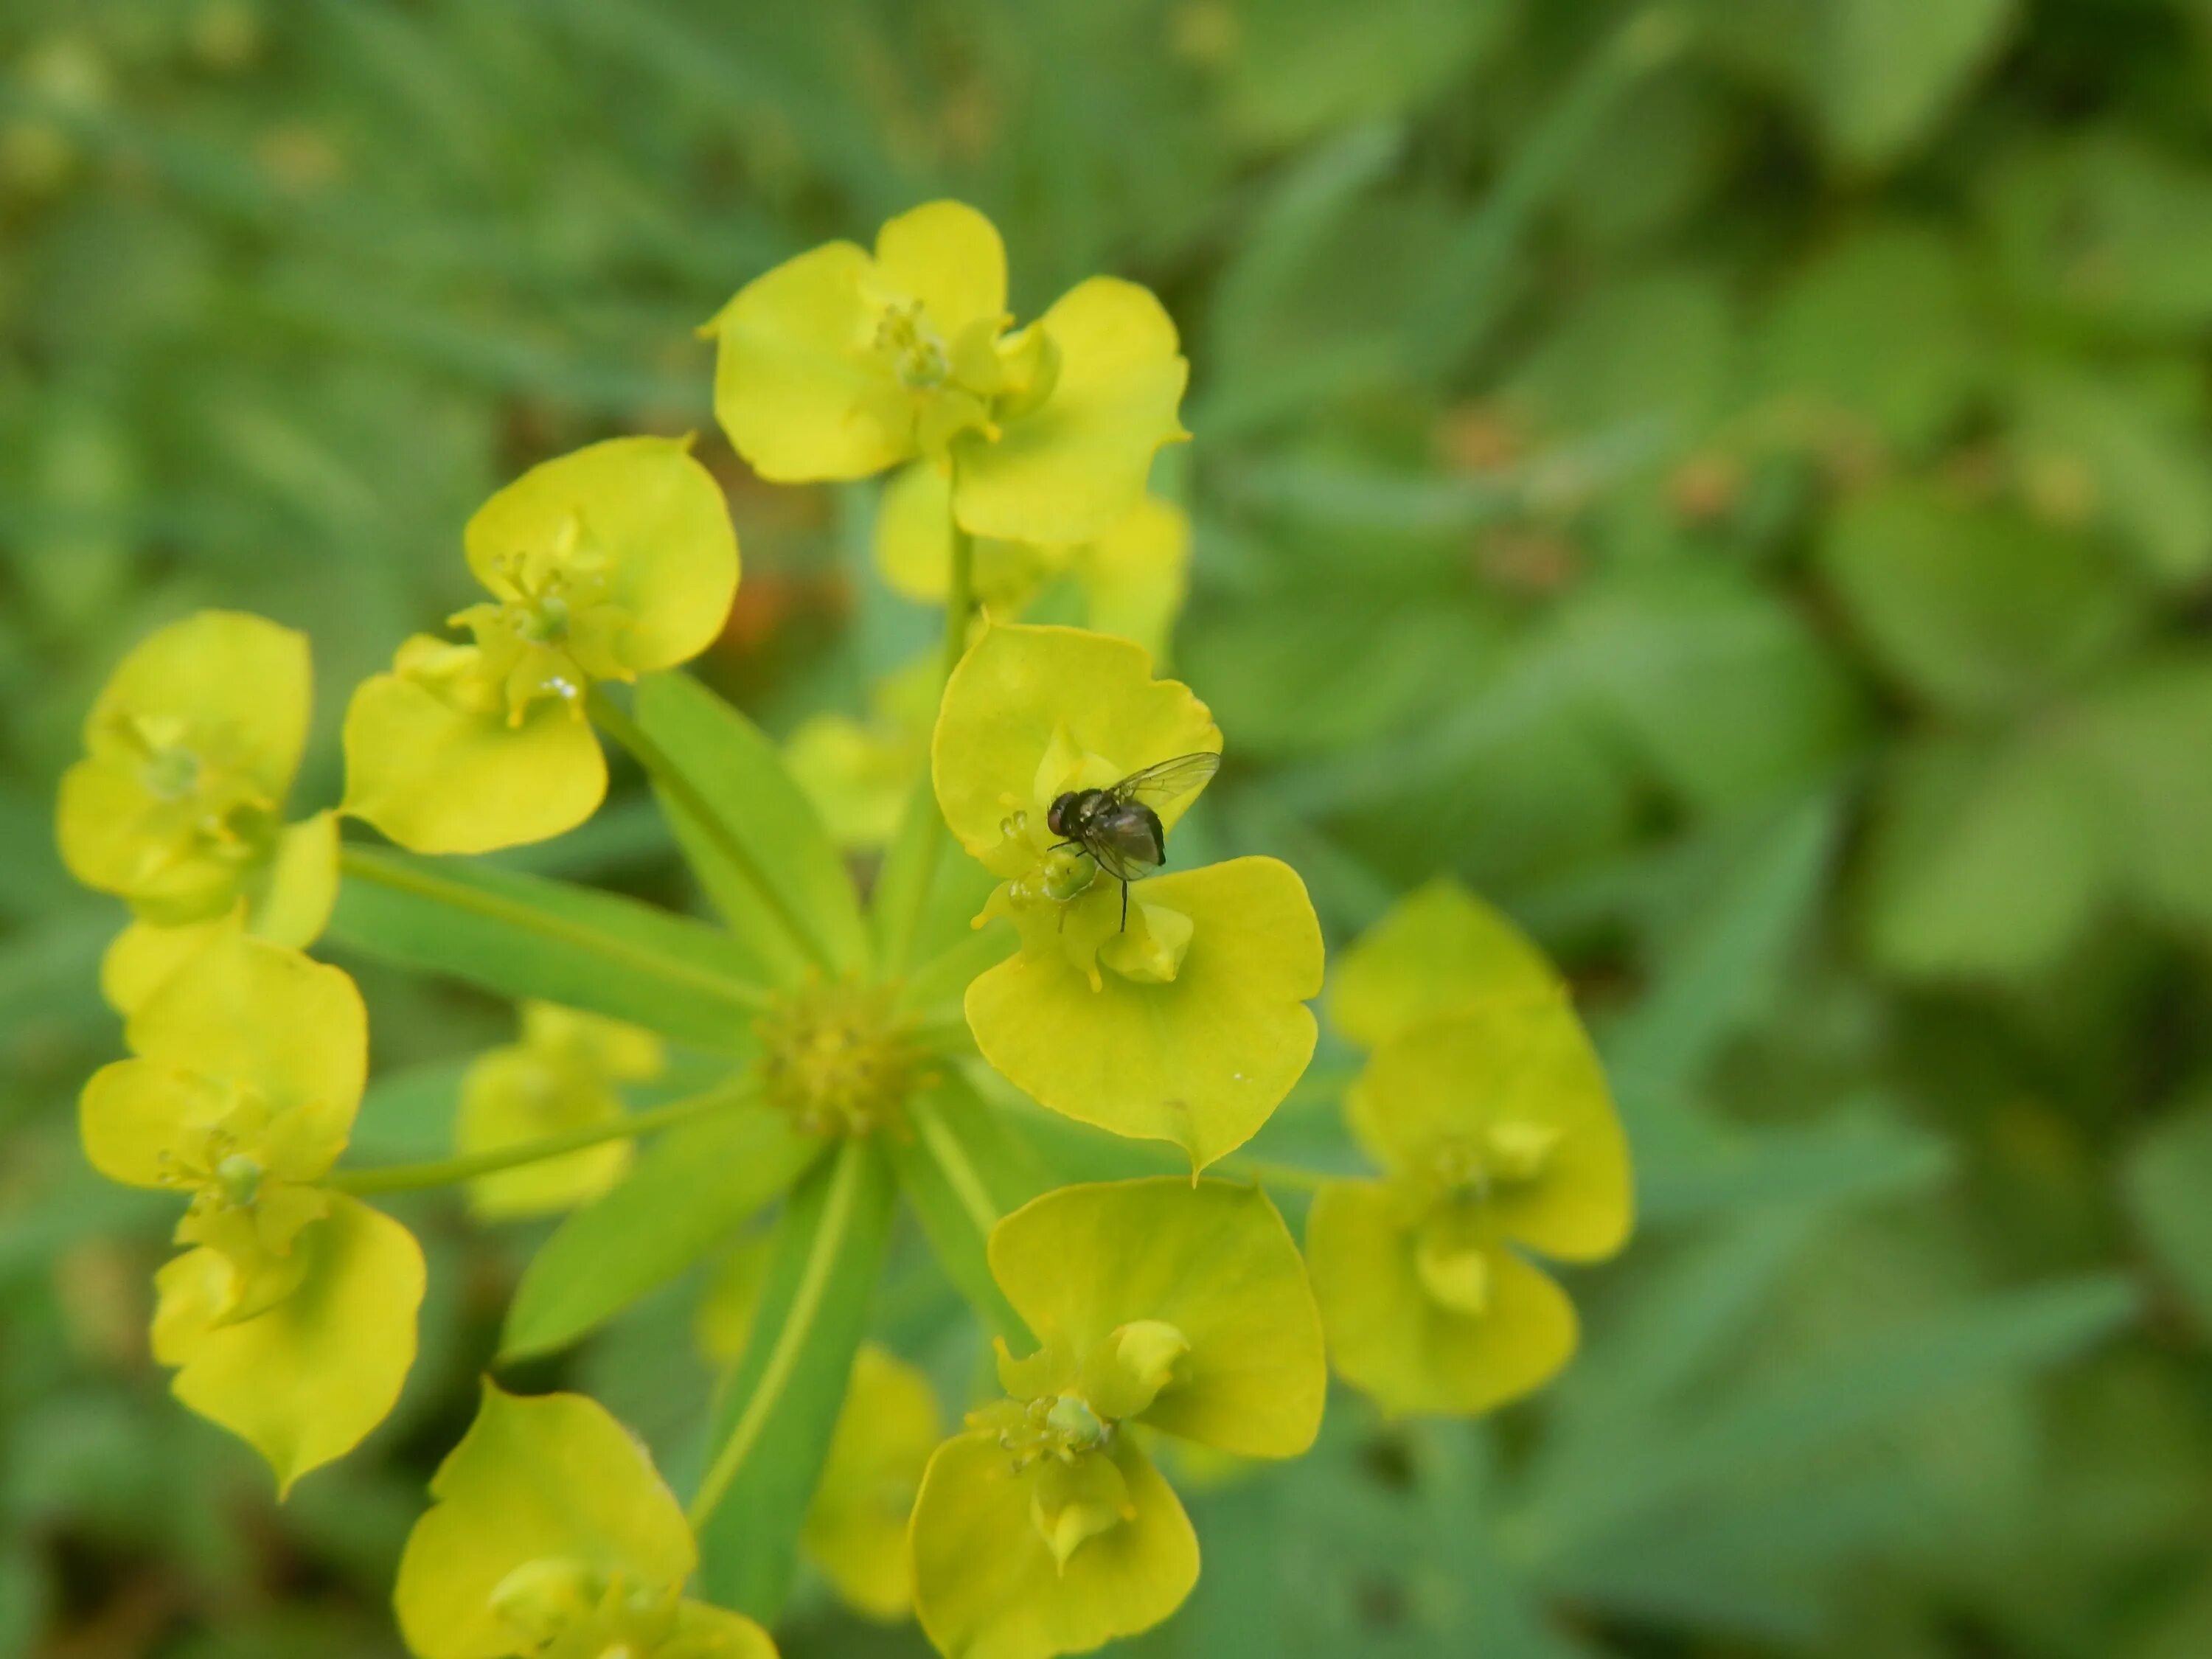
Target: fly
x=1120, y=826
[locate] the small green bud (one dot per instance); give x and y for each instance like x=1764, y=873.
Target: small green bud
x=239, y=1178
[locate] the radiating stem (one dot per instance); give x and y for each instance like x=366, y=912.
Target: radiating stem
x=448, y=1171
x=669, y=778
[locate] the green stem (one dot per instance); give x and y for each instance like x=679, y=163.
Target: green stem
x=790, y=1341
x=448, y=1171
x=670, y=779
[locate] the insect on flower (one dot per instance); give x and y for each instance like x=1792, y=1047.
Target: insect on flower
x=1118, y=828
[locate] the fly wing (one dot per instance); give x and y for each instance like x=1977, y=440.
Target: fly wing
x=1168, y=783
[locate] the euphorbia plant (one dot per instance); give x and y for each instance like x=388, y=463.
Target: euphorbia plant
x=863, y=1035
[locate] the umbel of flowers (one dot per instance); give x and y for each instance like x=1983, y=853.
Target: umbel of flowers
x=846, y=1048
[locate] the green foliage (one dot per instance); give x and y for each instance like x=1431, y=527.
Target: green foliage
x=1729, y=481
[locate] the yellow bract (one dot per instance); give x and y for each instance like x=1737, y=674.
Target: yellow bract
x=1488, y=1110
x=562, y=1076
x=855, y=1530
x=1132, y=577
x=1044, y=1528
x=293, y=1319
x=1190, y=1025
x=602, y=565
x=552, y=1534
x=839, y=363
x=177, y=807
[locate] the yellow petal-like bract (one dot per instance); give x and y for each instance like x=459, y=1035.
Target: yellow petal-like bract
x=551, y=1527
x=305, y=1378
x=1044, y=1529
x=1132, y=576
x=612, y=562
x=855, y=1528
x=839, y=363
x=177, y=806
x=1486, y=1106
x=1188, y=1024
x=562, y=1076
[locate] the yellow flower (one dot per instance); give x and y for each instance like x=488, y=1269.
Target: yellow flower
x=1044, y=1528
x=177, y=807
x=552, y=1535
x=839, y=363
x=1190, y=1025
x=603, y=565
x=1486, y=1108
x=1132, y=577
x=855, y=1528
x=860, y=773
x=562, y=1076
x=293, y=1318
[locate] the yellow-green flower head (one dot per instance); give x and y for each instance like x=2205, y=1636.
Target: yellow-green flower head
x=1190, y=1025
x=293, y=1318
x=1044, y=1528
x=1485, y=1104
x=855, y=1528
x=177, y=807
x=553, y=1536
x=602, y=565
x=1134, y=577
x=564, y=1074
x=839, y=363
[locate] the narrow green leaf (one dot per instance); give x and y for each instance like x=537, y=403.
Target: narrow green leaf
x=2008, y=1332
x=772, y=1424
x=764, y=858
x=683, y=1196
x=963, y=1169
x=909, y=870
x=524, y=936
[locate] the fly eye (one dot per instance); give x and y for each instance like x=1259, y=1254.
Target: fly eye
x=1055, y=816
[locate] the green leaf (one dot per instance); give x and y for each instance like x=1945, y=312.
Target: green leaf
x=755, y=839
x=2103, y=448
x=2166, y=1180
x=1725, y=689
x=2149, y=736
x=1978, y=610
x=1886, y=71
x=1983, y=862
x=773, y=1423
x=1300, y=66
x=1880, y=329
x=962, y=1168
x=1782, y=1423
x=682, y=1198
x=1738, y=902
x=523, y=936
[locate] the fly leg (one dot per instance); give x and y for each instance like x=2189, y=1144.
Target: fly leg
x=1124, y=905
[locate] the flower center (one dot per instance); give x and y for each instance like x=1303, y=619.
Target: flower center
x=561, y=1609
x=1503, y=1154
x=839, y=1058
x=551, y=629
x=916, y=355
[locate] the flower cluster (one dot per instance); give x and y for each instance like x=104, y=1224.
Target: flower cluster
x=1484, y=1106
x=855, y=1045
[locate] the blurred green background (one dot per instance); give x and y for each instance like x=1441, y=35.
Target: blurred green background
x=1730, y=480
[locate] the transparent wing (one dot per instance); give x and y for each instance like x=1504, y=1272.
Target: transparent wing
x=1169, y=781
